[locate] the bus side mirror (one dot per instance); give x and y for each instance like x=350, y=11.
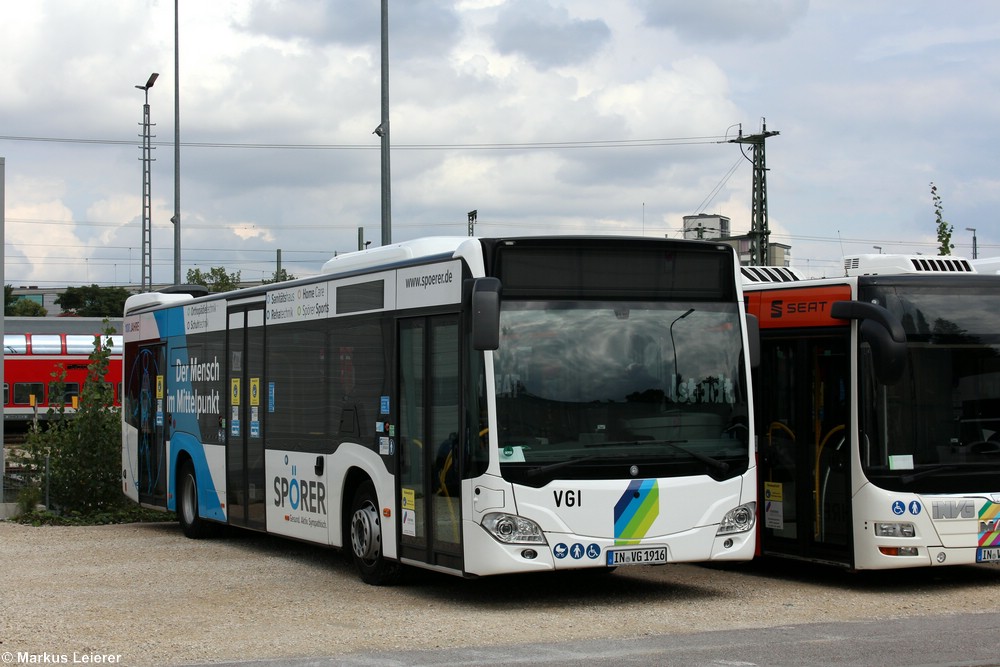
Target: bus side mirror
x=753, y=340
x=486, y=313
x=883, y=331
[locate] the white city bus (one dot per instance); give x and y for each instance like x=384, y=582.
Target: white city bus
x=472, y=406
x=878, y=412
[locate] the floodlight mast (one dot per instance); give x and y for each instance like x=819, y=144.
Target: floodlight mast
x=147, y=222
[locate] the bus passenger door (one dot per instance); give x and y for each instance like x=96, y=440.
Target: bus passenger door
x=245, y=427
x=803, y=390
x=429, y=437
x=146, y=410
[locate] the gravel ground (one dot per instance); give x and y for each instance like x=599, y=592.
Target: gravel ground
x=143, y=594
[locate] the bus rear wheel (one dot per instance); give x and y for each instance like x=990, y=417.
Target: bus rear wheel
x=366, y=539
x=187, y=504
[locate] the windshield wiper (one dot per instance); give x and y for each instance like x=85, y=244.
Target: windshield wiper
x=716, y=464
x=721, y=466
x=926, y=472
x=534, y=472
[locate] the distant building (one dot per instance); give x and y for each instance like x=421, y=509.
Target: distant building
x=46, y=296
x=714, y=227
x=706, y=226
x=779, y=254
x=43, y=296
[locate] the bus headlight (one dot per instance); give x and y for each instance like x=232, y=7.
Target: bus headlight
x=738, y=520
x=895, y=530
x=512, y=529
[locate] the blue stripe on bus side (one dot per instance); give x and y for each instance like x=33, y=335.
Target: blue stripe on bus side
x=170, y=322
x=209, y=505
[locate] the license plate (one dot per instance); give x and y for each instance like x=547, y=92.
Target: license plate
x=988, y=555
x=639, y=556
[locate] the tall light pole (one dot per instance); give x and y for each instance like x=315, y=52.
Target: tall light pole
x=383, y=130
x=147, y=222
x=3, y=222
x=975, y=250
x=879, y=248
x=177, y=154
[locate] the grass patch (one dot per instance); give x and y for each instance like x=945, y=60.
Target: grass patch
x=136, y=514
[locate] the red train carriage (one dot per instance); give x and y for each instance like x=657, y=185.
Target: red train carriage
x=35, y=348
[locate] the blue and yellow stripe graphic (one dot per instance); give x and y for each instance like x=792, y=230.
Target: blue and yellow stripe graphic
x=636, y=510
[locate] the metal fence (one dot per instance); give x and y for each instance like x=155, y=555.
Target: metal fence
x=17, y=478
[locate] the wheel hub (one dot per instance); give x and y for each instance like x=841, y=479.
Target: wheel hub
x=366, y=534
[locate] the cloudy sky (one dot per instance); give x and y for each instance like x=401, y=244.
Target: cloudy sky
x=545, y=116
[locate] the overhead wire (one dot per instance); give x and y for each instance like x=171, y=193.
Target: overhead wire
x=531, y=145
x=718, y=188
x=509, y=146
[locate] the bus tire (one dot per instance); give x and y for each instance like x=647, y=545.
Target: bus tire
x=192, y=524
x=366, y=539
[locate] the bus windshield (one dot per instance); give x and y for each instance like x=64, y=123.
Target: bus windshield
x=590, y=389
x=938, y=429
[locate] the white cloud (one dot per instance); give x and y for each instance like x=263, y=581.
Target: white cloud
x=39, y=228
x=718, y=20
x=872, y=101
x=547, y=36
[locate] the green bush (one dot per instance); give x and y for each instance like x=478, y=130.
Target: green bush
x=83, y=449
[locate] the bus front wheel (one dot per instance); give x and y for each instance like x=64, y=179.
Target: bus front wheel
x=366, y=539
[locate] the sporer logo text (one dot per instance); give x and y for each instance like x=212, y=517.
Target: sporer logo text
x=300, y=495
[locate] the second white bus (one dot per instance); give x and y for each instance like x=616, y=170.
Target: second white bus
x=878, y=405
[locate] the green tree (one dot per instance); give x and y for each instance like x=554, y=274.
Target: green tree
x=216, y=279
x=944, y=229
x=26, y=308
x=82, y=447
x=94, y=301
x=279, y=276
x=8, y=298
